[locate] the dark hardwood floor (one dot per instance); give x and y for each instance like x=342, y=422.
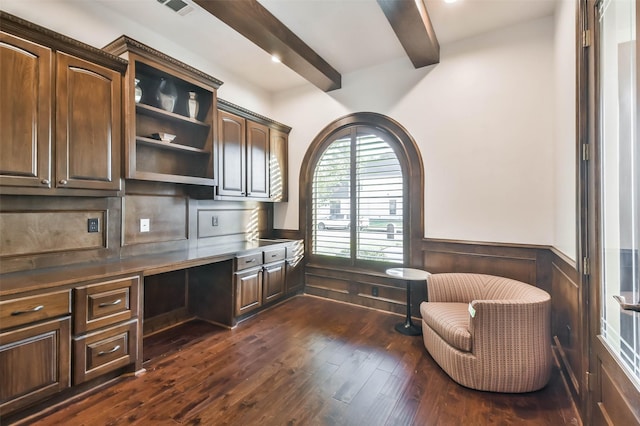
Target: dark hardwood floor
x=308, y=361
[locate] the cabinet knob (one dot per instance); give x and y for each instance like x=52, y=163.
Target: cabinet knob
x=45, y=181
x=63, y=182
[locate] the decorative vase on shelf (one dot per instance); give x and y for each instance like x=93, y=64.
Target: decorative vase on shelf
x=167, y=95
x=137, y=91
x=192, y=105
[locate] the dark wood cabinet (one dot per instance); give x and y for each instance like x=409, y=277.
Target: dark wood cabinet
x=273, y=281
x=243, y=157
x=88, y=124
x=60, y=113
x=25, y=112
x=35, y=357
x=278, y=165
x=106, y=327
x=164, y=142
x=252, y=155
x=248, y=286
x=257, y=160
x=232, y=145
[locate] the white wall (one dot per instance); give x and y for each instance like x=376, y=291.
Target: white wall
x=483, y=121
x=565, y=225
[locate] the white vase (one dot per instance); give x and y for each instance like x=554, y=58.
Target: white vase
x=192, y=105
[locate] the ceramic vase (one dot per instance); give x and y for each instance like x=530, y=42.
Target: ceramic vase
x=192, y=105
x=137, y=91
x=167, y=95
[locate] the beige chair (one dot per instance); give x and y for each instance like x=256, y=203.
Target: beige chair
x=488, y=333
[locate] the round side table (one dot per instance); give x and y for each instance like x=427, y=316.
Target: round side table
x=408, y=274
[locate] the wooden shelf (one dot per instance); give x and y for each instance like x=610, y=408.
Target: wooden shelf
x=162, y=177
x=160, y=113
x=189, y=158
x=170, y=146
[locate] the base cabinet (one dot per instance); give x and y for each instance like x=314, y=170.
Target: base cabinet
x=34, y=363
x=248, y=290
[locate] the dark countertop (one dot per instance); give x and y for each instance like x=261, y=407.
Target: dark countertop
x=40, y=279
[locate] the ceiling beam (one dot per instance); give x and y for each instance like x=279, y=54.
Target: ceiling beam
x=410, y=21
x=253, y=21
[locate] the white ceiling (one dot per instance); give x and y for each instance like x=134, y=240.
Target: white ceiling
x=348, y=34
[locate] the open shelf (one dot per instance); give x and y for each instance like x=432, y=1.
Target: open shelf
x=188, y=159
x=170, y=145
x=166, y=115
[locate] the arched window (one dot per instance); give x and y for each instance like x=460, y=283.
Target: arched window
x=362, y=194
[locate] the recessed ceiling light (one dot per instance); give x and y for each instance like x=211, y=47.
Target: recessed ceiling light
x=275, y=59
x=450, y=1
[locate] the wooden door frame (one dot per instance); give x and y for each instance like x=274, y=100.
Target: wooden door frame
x=596, y=354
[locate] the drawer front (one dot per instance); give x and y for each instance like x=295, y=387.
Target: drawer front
x=275, y=255
x=35, y=308
x=105, y=303
x=248, y=261
x=107, y=350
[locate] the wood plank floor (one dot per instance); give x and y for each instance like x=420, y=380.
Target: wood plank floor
x=308, y=361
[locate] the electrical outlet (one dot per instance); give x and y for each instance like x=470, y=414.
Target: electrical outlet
x=93, y=225
x=214, y=221
x=374, y=291
x=144, y=225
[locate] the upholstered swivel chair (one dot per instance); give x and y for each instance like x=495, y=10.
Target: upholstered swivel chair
x=488, y=333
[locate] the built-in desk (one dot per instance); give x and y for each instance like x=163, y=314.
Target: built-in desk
x=91, y=318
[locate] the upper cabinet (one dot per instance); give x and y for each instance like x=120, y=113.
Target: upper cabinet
x=252, y=155
x=170, y=112
x=60, y=113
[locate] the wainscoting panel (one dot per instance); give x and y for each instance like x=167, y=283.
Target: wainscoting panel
x=567, y=329
x=519, y=262
x=39, y=232
x=165, y=300
x=167, y=219
x=219, y=222
x=362, y=288
x=52, y=231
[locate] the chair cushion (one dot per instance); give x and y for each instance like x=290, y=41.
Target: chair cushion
x=450, y=321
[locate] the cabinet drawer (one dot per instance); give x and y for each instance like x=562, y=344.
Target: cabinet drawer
x=35, y=308
x=248, y=261
x=105, y=303
x=275, y=255
x=103, y=351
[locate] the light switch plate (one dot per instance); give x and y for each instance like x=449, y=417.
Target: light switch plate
x=144, y=225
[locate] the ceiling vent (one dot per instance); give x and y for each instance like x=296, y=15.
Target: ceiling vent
x=181, y=7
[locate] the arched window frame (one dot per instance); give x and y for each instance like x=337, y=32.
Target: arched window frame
x=411, y=162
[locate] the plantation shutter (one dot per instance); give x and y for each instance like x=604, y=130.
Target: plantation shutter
x=357, y=200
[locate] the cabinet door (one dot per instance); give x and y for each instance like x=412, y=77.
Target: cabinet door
x=25, y=113
x=273, y=281
x=34, y=363
x=278, y=166
x=231, y=155
x=257, y=160
x=248, y=291
x=88, y=120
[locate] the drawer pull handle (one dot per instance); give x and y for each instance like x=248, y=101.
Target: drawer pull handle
x=110, y=351
x=274, y=255
x=105, y=304
x=250, y=261
x=28, y=311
